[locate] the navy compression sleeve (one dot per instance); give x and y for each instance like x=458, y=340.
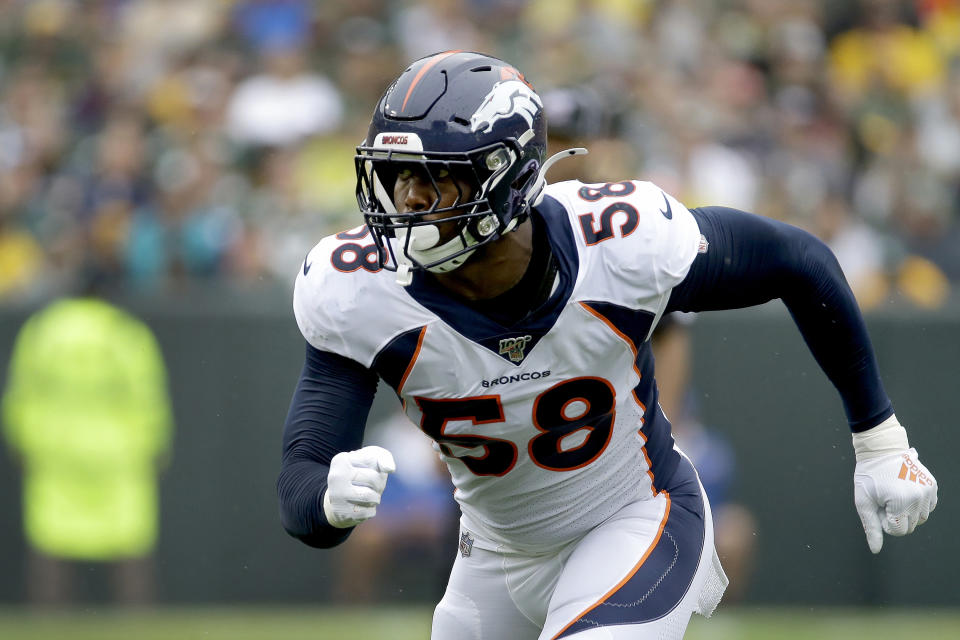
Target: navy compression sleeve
x=327, y=415
x=751, y=260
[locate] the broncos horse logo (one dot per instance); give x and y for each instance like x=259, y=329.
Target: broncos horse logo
x=507, y=98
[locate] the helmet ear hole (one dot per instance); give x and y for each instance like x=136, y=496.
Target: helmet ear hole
x=528, y=173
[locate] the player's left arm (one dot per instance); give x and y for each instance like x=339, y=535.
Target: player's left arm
x=751, y=260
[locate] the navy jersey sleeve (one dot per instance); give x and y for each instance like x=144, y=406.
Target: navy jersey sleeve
x=751, y=260
x=327, y=415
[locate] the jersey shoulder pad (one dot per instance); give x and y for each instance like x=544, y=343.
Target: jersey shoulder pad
x=631, y=230
x=334, y=294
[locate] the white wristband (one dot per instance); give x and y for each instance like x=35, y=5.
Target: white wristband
x=885, y=438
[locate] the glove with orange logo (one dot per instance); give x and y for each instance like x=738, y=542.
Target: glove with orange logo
x=893, y=491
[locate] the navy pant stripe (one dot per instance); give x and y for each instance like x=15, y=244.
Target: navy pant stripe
x=666, y=572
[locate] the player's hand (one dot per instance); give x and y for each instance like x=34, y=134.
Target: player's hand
x=893, y=491
x=354, y=485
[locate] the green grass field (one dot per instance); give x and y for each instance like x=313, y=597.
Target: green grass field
x=259, y=623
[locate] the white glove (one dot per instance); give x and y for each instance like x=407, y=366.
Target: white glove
x=354, y=485
x=892, y=489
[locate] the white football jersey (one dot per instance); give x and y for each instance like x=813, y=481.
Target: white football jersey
x=549, y=426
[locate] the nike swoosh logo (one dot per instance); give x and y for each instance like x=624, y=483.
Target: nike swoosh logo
x=306, y=266
x=668, y=214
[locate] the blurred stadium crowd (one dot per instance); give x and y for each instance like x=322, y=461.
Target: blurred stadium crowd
x=151, y=144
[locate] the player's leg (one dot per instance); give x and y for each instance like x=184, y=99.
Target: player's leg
x=478, y=605
x=643, y=572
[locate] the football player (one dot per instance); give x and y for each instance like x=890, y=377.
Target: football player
x=512, y=318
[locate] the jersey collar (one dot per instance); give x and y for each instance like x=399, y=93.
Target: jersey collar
x=489, y=333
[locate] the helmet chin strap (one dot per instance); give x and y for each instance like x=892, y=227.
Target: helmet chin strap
x=421, y=249
x=535, y=195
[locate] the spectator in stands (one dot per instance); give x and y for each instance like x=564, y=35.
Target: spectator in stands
x=285, y=103
x=794, y=94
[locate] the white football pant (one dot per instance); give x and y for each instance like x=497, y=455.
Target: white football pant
x=638, y=575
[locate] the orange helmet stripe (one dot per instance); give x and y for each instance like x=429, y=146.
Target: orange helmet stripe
x=416, y=79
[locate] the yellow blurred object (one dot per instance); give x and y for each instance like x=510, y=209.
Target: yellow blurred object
x=558, y=16
x=327, y=183
x=871, y=290
x=21, y=260
x=551, y=17
x=904, y=59
x=943, y=25
x=86, y=409
x=923, y=282
x=46, y=17
x=168, y=101
x=879, y=134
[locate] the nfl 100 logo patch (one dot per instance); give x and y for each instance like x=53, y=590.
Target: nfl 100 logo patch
x=514, y=347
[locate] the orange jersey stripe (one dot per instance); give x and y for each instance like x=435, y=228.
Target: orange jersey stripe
x=636, y=567
x=646, y=457
x=413, y=361
x=625, y=338
x=423, y=70
x=643, y=408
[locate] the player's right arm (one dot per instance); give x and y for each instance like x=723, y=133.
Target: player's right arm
x=328, y=483
x=322, y=437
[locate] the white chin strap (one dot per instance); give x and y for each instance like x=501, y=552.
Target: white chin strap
x=422, y=249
